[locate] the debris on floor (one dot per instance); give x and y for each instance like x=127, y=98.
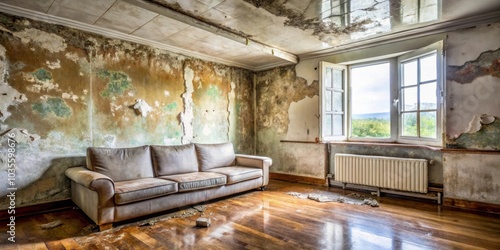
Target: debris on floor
x=200, y=208
x=298, y=195
x=203, y=222
x=371, y=202
x=151, y=222
x=89, y=229
x=352, y=198
x=319, y=198
x=51, y=225
x=354, y=195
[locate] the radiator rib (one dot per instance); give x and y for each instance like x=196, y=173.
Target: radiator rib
x=384, y=172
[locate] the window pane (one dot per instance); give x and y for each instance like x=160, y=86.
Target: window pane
x=409, y=124
x=338, y=123
x=410, y=73
x=428, y=124
x=428, y=98
x=370, y=101
x=328, y=129
x=328, y=100
x=410, y=99
x=337, y=79
x=338, y=101
x=428, y=68
x=328, y=78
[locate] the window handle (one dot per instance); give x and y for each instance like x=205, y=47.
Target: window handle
x=395, y=102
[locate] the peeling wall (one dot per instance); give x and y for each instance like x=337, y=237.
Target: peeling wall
x=304, y=120
x=64, y=90
x=277, y=91
x=473, y=86
x=472, y=113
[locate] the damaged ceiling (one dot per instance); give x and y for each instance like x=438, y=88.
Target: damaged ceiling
x=258, y=34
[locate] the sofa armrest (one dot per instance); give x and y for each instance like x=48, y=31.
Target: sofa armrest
x=93, y=193
x=89, y=179
x=254, y=161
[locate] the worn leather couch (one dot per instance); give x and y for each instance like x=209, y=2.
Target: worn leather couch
x=124, y=183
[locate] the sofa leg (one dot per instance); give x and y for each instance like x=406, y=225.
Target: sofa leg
x=262, y=188
x=104, y=227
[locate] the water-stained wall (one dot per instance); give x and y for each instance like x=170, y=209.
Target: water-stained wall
x=472, y=113
x=63, y=90
x=284, y=101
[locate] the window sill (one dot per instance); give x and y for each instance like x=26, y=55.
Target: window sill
x=469, y=151
x=310, y=142
x=387, y=144
x=396, y=144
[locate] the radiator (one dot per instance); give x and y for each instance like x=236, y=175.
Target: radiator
x=383, y=172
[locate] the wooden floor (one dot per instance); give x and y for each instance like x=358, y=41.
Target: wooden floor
x=273, y=219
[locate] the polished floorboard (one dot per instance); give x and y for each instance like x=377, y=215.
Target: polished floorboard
x=273, y=219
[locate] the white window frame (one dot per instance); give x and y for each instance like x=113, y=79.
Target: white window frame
x=395, y=111
x=419, y=53
x=322, y=125
x=393, y=95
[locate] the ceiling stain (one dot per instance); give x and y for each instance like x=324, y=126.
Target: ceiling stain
x=321, y=27
x=177, y=7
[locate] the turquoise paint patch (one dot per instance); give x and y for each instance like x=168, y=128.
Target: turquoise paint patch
x=170, y=107
x=54, y=105
x=118, y=83
x=42, y=75
x=213, y=92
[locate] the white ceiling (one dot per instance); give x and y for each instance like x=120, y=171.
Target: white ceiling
x=258, y=34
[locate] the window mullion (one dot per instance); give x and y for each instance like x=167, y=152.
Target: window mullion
x=418, y=97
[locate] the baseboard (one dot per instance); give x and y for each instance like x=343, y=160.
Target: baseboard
x=297, y=178
x=38, y=209
x=472, y=205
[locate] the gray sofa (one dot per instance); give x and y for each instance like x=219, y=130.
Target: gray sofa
x=124, y=183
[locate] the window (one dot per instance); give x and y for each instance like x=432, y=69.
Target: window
x=371, y=100
x=333, y=101
x=394, y=99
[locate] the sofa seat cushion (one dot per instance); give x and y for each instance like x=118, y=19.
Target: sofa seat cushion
x=237, y=174
x=196, y=180
x=142, y=189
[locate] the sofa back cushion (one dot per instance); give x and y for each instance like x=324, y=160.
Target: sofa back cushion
x=170, y=160
x=215, y=155
x=121, y=164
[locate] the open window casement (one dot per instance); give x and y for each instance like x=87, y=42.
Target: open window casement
x=421, y=93
x=332, y=102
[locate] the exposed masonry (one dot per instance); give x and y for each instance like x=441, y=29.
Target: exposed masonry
x=488, y=63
